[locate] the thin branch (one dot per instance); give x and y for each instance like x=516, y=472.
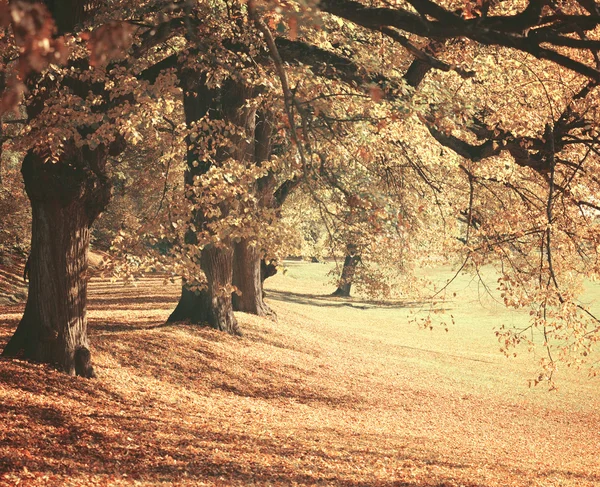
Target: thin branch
x=423, y=56
x=288, y=97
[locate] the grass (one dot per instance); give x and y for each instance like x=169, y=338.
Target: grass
x=336, y=392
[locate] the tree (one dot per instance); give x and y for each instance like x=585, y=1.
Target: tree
x=348, y=271
x=249, y=268
x=66, y=196
x=360, y=141
x=556, y=143
x=539, y=28
x=78, y=116
x=536, y=215
x=211, y=304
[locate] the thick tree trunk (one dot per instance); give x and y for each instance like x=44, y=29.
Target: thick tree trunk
x=247, y=278
x=65, y=200
x=192, y=306
x=217, y=264
x=250, y=270
x=348, y=271
x=212, y=305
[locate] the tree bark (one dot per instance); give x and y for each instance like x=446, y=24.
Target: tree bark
x=217, y=264
x=248, y=275
x=247, y=278
x=66, y=197
x=213, y=305
x=267, y=270
x=348, y=271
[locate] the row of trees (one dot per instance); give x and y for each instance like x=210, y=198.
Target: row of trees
x=413, y=132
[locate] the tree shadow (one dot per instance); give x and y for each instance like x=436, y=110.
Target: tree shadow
x=74, y=428
x=329, y=301
x=99, y=326
x=133, y=445
x=206, y=356
x=122, y=441
x=100, y=302
x=282, y=344
x=7, y=328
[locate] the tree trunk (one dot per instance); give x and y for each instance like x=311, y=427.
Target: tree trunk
x=249, y=266
x=65, y=199
x=192, y=306
x=348, y=271
x=266, y=271
x=217, y=264
x=212, y=305
x=247, y=278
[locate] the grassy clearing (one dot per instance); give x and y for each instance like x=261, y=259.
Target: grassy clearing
x=336, y=392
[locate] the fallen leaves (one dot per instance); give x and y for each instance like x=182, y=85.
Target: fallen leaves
x=309, y=400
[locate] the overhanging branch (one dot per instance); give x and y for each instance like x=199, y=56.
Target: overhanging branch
x=525, y=31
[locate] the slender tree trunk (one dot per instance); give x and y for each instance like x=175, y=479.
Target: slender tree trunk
x=65, y=199
x=348, y=271
x=247, y=278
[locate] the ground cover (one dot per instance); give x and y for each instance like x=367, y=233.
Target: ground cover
x=12, y=288
x=336, y=392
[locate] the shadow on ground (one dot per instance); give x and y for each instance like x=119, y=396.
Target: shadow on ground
x=110, y=436
x=329, y=301
x=122, y=427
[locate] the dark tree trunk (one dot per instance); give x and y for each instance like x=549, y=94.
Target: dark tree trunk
x=248, y=263
x=212, y=305
x=66, y=197
x=247, y=278
x=67, y=13
x=217, y=264
x=267, y=270
x=192, y=306
x=348, y=271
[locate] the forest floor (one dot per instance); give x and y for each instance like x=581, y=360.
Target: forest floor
x=336, y=392
x=12, y=287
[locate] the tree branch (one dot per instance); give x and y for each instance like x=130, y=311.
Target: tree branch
x=516, y=31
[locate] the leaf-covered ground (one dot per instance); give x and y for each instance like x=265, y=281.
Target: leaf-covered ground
x=336, y=392
x=12, y=288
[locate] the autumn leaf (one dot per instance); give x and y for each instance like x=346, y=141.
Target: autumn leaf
x=376, y=93
x=109, y=42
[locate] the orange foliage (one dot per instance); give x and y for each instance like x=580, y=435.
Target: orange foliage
x=309, y=400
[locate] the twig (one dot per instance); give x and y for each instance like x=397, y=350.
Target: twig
x=288, y=97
